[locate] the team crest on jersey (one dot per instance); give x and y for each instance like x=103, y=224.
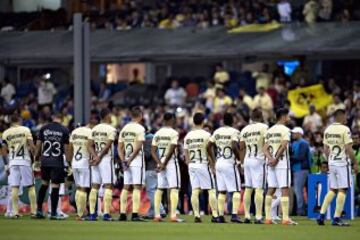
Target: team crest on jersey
x=188, y=141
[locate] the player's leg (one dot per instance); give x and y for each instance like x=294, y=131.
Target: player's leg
x=14, y=183
x=233, y=185
x=275, y=205
x=284, y=181
x=207, y=182
x=27, y=180
x=162, y=184
x=247, y=193
x=344, y=183
x=174, y=180
x=195, y=185
x=124, y=194
x=107, y=176
x=138, y=181
x=57, y=178
x=259, y=184
x=333, y=185
x=45, y=176
x=95, y=186
x=272, y=185
x=82, y=179
x=221, y=185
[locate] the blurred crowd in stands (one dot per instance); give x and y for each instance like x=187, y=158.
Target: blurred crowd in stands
x=172, y=14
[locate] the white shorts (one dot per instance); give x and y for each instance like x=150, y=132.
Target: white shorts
x=170, y=177
x=82, y=177
x=278, y=177
x=340, y=177
x=134, y=176
x=21, y=175
x=103, y=173
x=255, y=175
x=227, y=178
x=201, y=176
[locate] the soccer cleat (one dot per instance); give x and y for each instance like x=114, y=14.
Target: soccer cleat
x=197, y=220
x=91, y=217
x=16, y=216
x=221, y=219
x=235, y=219
x=39, y=215
x=177, y=220
x=289, y=222
x=276, y=218
x=57, y=217
x=258, y=221
x=270, y=221
x=339, y=222
x=247, y=221
x=63, y=214
x=122, y=217
x=107, y=217
x=136, y=218
x=321, y=220
x=214, y=219
x=8, y=215
x=158, y=219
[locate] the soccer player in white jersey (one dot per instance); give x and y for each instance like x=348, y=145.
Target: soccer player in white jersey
x=338, y=150
x=80, y=164
x=100, y=146
x=18, y=145
x=201, y=167
x=164, y=152
x=253, y=159
x=224, y=142
x=130, y=148
x=276, y=150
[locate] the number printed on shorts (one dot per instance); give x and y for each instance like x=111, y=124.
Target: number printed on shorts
x=52, y=149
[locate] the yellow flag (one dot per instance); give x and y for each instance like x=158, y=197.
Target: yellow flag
x=256, y=28
x=301, y=98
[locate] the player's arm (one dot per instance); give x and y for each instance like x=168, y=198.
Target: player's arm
x=242, y=150
x=68, y=152
x=266, y=151
x=90, y=147
x=281, y=150
x=350, y=152
x=38, y=150
x=187, y=156
x=154, y=154
x=171, y=151
x=106, y=148
x=211, y=151
x=235, y=148
x=121, y=151
x=137, y=149
x=327, y=151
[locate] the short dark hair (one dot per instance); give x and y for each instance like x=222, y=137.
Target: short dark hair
x=325, y=163
x=15, y=118
x=281, y=112
x=104, y=112
x=168, y=116
x=198, y=118
x=339, y=112
x=256, y=115
x=135, y=112
x=228, y=119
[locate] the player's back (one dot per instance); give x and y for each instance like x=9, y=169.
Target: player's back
x=53, y=136
x=16, y=139
x=129, y=135
x=274, y=137
x=223, y=138
x=196, y=142
x=101, y=134
x=79, y=139
x=253, y=136
x=163, y=139
x=337, y=136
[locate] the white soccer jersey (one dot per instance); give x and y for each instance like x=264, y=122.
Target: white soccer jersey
x=79, y=139
x=274, y=136
x=163, y=139
x=101, y=134
x=253, y=136
x=196, y=142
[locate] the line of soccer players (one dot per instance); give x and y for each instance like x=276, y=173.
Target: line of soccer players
x=214, y=162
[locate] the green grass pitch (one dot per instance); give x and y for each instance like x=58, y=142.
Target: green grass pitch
x=26, y=228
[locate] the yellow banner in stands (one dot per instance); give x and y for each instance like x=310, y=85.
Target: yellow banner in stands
x=301, y=98
x=256, y=28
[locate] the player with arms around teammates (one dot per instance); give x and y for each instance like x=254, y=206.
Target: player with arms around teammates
x=253, y=159
x=52, y=144
x=224, y=142
x=80, y=164
x=201, y=167
x=276, y=150
x=338, y=150
x=18, y=145
x=164, y=152
x=131, y=152
x=101, y=146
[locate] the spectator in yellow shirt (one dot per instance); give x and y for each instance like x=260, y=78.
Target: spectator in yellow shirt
x=221, y=101
x=263, y=101
x=221, y=76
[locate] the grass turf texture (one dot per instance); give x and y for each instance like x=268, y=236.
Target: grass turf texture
x=26, y=228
